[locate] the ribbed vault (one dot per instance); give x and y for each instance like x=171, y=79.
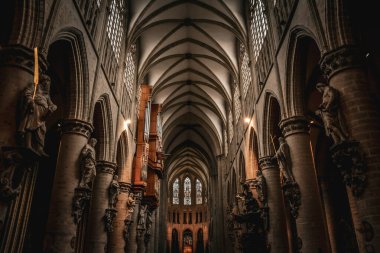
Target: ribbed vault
x=188, y=53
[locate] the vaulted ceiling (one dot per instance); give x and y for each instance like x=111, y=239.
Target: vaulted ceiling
x=188, y=53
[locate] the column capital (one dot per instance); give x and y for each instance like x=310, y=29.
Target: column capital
x=340, y=59
x=125, y=187
x=268, y=162
x=106, y=167
x=293, y=125
x=76, y=126
x=22, y=57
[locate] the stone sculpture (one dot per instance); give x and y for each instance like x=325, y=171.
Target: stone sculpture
x=36, y=107
x=88, y=164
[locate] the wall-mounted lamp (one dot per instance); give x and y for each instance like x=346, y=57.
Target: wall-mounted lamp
x=126, y=123
x=247, y=120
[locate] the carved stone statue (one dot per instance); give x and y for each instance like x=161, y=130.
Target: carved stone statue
x=330, y=113
x=149, y=223
x=261, y=186
x=130, y=206
x=290, y=187
x=284, y=160
x=142, y=218
x=131, y=203
x=34, y=112
x=113, y=191
x=88, y=164
x=250, y=203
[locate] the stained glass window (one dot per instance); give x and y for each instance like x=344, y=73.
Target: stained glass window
x=187, y=191
x=115, y=26
x=198, y=186
x=176, y=192
x=259, y=25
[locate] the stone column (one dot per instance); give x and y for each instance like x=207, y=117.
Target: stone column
x=329, y=212
x=345, y=72
x=117, y=242
x=96, y=236
x=61, y=229
x=132, y=243
x=309, y=217
x=277, y=238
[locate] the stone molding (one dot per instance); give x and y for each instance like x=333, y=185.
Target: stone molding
x=106, y=167
x=76, y=126
x=342, y=58
x=268, y=162
x=21, y=57
x=294, y=125
x=125, y=187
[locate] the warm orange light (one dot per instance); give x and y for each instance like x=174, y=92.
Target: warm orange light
x=247, y=120
x=126, y=123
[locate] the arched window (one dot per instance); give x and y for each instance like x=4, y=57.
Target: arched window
x=176, y=192
x=237, y=104
x=259, y=25
x=115, y=26
x=187, y=191
x=245, y=71
x=198, y=186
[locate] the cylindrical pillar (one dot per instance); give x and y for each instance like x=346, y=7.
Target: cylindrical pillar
x=329, y=212
x=61, y=229
x=96, y=235
x=310, y=222
x=277, y=238
x=117, y=241
x=344, y=68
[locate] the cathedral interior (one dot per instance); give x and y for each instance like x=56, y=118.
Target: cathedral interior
x=189, y=126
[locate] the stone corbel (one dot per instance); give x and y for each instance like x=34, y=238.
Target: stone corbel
x=347, y=157
x=81, y=201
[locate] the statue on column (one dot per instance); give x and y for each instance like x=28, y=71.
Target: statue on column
x=88, y=164
x=141, y=222
x=290, y=187
x=113, y=191
x=346, y=154
x=330, y=113
x=36, y=107
x=260, y=185
x=149, y=222
x=284, y=160
x=131, y=203
x=142, y=218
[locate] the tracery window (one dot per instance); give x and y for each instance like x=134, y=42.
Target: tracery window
x=187, y=191
x=130, y=71
x=115, y=26
x=176, y=192
x=230, y=127
x=198, y=187
x=245, y=72
x=237, y=103
x=259, y=25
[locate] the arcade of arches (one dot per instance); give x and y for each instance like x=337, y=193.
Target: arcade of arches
x=192, y=126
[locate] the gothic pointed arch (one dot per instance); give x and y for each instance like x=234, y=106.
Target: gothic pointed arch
x=78, y=98
x=302, y=60
x=102, y=121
